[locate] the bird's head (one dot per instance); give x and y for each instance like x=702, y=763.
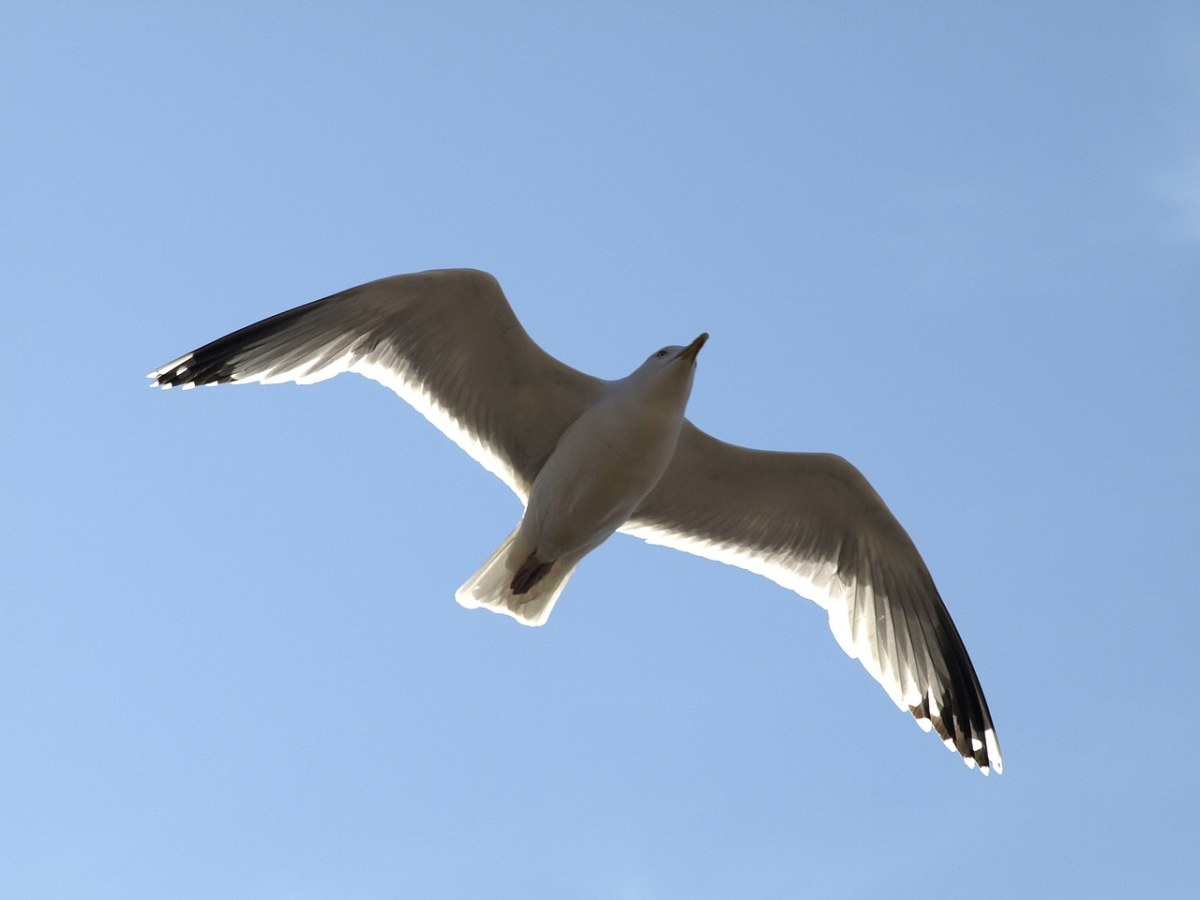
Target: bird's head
x=670, y=369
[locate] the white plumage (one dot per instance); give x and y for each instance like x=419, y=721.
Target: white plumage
x=589, y=457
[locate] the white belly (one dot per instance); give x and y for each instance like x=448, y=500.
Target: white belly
x=603, y=467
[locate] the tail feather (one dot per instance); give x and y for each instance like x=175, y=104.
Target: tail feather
x=491, y=587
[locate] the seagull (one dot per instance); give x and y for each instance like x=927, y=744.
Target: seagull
x=589, y=457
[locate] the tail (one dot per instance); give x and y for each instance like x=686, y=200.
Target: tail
x=491, y=587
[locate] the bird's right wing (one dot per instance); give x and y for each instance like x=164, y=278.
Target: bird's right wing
x=446, y=341
x=812, y=523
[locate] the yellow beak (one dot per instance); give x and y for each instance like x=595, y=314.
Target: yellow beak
x=690, y=351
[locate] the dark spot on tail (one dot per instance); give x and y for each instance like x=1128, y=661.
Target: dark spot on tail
x=531, y=572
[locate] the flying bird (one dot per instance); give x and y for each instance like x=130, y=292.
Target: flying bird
x=590, y=457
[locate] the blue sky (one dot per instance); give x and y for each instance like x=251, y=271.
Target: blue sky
x=960, y=247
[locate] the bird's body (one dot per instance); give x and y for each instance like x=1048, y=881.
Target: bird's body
x=589, y=457
x=599, y=472
x=607, y=461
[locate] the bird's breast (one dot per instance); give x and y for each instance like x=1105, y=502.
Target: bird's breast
x=603, y=466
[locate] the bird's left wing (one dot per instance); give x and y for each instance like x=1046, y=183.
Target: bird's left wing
x=812, y=523
x=446, y=341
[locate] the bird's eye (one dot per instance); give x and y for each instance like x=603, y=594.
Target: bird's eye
x=661, y=353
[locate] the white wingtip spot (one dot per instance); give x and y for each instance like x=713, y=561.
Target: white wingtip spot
x=175, y=366
x=993, y=749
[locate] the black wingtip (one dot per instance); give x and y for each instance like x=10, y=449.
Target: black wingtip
x=194, y=372
x=974, y=742
x=214, y=363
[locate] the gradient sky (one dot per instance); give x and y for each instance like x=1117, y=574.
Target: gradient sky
x=960, y=247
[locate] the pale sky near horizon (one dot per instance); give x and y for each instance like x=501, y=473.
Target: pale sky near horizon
x=959, y=246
